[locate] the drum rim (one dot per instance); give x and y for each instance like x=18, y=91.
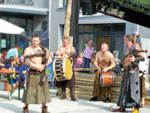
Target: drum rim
x=54, y=70
x=64, y=69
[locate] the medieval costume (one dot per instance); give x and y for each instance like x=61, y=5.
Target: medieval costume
x=129, y=95
x=67, y=84
x=37, y=90
x=104, y=93
x=34, y=93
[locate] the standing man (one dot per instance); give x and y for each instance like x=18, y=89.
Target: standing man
x=129, y=96
x=104, y=62
x=67, y=51
x=36, y=91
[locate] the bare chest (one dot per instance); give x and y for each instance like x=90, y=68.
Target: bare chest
x=104, y=60
x=35, y=59
x=66, y=51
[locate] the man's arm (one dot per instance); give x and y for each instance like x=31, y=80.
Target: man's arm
x=112, y=62
x=72, y=53
x=58, y=52
x=96, y=60
x=29, y=63
x=49, y=59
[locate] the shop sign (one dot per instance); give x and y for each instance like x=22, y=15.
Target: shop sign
x=44, y=25
x=20, y=2
x=3, y=43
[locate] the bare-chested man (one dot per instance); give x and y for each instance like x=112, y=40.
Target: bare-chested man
x=36, y=93
x=104, y=62
x=67, y=51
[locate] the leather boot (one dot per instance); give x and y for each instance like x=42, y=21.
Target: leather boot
x=93, y=98
x=44, y=109
x=63, y=93
x=121, y=109
x=72, y=94
x=25, y=110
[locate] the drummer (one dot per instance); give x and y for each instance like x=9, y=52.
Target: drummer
x=104, y=62
x=67, y=51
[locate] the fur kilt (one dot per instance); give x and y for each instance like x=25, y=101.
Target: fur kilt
x=34, y=93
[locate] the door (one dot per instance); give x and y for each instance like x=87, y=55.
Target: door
x=100, y=40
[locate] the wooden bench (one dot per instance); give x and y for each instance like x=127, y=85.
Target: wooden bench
x=5, y=80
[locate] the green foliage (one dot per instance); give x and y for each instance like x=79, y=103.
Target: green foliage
x=143, y=2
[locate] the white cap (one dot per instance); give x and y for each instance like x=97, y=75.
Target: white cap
x=136, y=33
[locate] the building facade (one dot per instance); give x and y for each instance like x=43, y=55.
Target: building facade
x=32, y=15
x=99, y=28
x=46, y=18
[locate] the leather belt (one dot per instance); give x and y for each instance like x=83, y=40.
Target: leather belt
x=34, y=72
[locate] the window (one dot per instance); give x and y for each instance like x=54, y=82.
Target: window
x=103, y=28
x=86, y=28
x=83, y=41
x=119, y=27
x=64, y=3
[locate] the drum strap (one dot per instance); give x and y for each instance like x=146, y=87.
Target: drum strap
x=61, y=50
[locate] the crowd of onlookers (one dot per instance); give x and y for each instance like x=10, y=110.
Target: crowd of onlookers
x=86, y=59
x=10, y=60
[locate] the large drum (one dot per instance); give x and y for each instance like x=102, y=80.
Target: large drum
x=107, y=79
x=62, y=69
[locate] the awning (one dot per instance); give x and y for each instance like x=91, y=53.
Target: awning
x=9, y=28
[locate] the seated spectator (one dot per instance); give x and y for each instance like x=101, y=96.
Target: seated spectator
x=13, y=52
x=12, y=78
x=76, y=64
x=92, y=62
x=117, y=60
x=22, y=70
x=3, y=56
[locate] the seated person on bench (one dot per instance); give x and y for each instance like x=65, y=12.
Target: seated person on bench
x=12, y=78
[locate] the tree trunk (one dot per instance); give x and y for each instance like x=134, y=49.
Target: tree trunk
x=67, y=21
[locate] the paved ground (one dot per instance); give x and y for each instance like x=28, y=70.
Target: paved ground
x=57, y=105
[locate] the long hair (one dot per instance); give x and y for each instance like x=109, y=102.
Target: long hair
x=130, y=38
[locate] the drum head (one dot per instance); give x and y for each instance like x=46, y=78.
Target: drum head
x=67, y=69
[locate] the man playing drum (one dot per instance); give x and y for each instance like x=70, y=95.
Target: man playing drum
x=67, y=51
x=104, y=62
x=36, y=90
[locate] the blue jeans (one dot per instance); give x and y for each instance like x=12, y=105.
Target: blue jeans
x=86, y=63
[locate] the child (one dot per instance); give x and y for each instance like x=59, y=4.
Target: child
x=80, y=58
x=12, y=78
x=76, y=64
